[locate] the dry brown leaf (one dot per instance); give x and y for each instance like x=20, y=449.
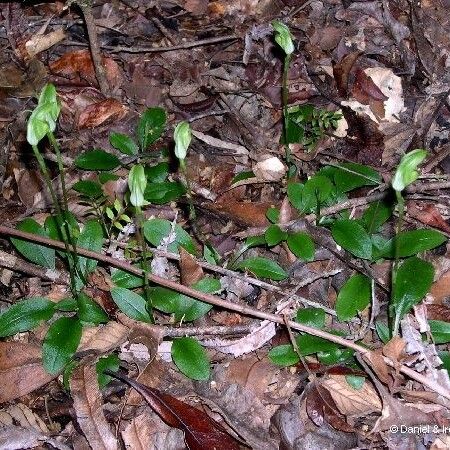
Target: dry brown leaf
x=148, y=431
x=191, y=271
x=200, y=430
x=18, y=438
x=41, y=42
x=101, y=113
x=394, y=349
x=440, y=290
x=351, y=401
x=249, y=343
x=20, y=414
x=88, y=405
x=78, y=65
x=428, y=214
x=21, y=370
x=103, y=339
x=246, y=214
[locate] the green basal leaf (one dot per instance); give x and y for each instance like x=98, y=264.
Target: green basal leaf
x=273, y=214
x=110, y=362
x=350, y=235
x=410, y=243
x=317, y=190
x=191, y=358
x=336, y=356
x=354, y=297
x=60, y=343
x=210, y=254
x=283, y=355
x=157, y=173
x=104, y=177
x=383, y=332
x=38, y=254
x=283, y=37
x=89, y=311
x=301, y=245
x=406, y=172
x=309, y=344
x=184, y=308
x=131, y=304
x=123, y=143
x=137, y=182
x=155, y=230
x=412, y=282
x=97, y=159
x=57, y=232
x=274, y=235
x=25, y=315
x=376, y=215
x=349, y=176
x=440, y=331
x=90, y=238
x=150, y=127
x=165, y=192
x=241, y=176
x=126, y=280
x=445, y=357
x=88, y=188
x=183, y=137
x=311, y=317
x=263, y=267
x=67, y=305
x=295, y=195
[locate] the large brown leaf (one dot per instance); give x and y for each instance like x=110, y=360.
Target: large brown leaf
x=88, y=405
x=21, y=370
x=201, y=432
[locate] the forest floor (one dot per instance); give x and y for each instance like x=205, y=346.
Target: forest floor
x=288, y=302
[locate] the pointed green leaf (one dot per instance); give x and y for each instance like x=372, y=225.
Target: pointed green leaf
x=89, y=311
x=110, y=362
x=263, y=267
x=412, y=282
x=312, y=317
x=25, y=315
x=283, y=355
x=155, y=230
x=350, y=235
x=131, y=304
x=97, y=159
x=60, y=343
x=353, y=297
x=91, y=238
x=301, y=245
x=274, y=235
x=88, y=188
x=123, y=143
x=191, y=358
x=150, y=127
x=440, y=331
x=39, y=254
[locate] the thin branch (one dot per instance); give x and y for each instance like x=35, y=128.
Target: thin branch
x=186, y=45
x=216, y=301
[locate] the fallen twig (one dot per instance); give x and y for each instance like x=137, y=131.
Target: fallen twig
x=216, y=301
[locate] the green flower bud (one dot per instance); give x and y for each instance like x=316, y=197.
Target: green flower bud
x=43, y=119
x=183, y=137
x=137, y=183
x=283, y=37
x=406, y=172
